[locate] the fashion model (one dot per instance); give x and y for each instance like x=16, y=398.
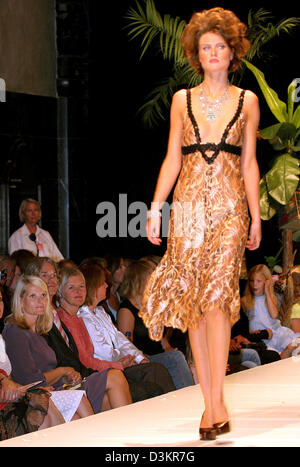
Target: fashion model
x=212, y=152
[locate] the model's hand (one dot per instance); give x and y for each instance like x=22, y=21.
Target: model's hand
x=153, y=230
x=254, y=237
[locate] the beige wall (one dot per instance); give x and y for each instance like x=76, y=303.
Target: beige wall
x=28, y=46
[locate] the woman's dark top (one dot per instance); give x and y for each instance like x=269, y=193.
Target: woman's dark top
x=140, y=336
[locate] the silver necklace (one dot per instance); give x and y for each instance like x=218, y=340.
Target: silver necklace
x=212, y=108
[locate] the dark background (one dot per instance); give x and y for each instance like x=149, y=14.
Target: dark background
x=110, y=152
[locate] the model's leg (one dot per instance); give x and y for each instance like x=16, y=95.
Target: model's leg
x=198, y=342
x=117, y=391
x=218, y=339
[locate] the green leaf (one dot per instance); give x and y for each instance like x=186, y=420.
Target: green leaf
x=291, y=94
x=270, y=132
x=279, y=135
x=296, y=117
x=267, y=211
x=283, y=178
x=287, y=131
x=296, y=236
x=277, y=107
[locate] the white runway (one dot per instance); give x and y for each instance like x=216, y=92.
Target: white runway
x=264, y=404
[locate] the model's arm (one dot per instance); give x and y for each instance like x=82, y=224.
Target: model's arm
x=250, y=170
x=171, y=165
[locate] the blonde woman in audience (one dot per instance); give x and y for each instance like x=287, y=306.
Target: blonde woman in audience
x=30, y=356
x=260, y=304
x=104, y=388
x=71, y=294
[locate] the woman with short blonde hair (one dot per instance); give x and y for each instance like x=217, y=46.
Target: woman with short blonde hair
x=31, y=236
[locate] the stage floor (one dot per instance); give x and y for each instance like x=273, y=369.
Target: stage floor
x=264, y=404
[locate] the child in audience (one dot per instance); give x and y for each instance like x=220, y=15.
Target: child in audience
x=260, y=303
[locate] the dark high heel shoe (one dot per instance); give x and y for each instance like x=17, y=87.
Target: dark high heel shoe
x=208, y=433
x=222, y=428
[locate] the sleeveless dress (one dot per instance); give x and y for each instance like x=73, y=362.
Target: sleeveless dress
x=208, y=230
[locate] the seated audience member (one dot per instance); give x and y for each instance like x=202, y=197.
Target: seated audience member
x=7, y=270
x=295, y=311
x=94, y=260
x=30, y=236
x=22, y=410
x=32, y=360
x=116, y=267
x=61, y=341
x=66, y=263
x=260, y=304
x=242, y=339
x=128, y=321
x=111, y=344
x=72, y=295
x=154, y=259
x=22, y=258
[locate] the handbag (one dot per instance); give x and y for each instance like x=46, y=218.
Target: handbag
x=25, y=415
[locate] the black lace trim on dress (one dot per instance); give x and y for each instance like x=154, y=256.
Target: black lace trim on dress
x=222, y=146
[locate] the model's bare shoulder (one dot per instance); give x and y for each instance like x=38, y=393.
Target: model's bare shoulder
x=179, y=101
x=179, y=97
x=251, y=107
x=250, y=98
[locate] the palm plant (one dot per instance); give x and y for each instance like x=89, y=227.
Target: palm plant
x=165, y=33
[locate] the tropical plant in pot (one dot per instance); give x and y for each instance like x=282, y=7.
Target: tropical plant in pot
x=279, y=184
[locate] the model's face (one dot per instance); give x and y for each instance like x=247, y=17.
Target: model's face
x=48, y=274
x=214, y=52
x=257, y=283
x=74, y=292
x=34, y=302
x=31, y=214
